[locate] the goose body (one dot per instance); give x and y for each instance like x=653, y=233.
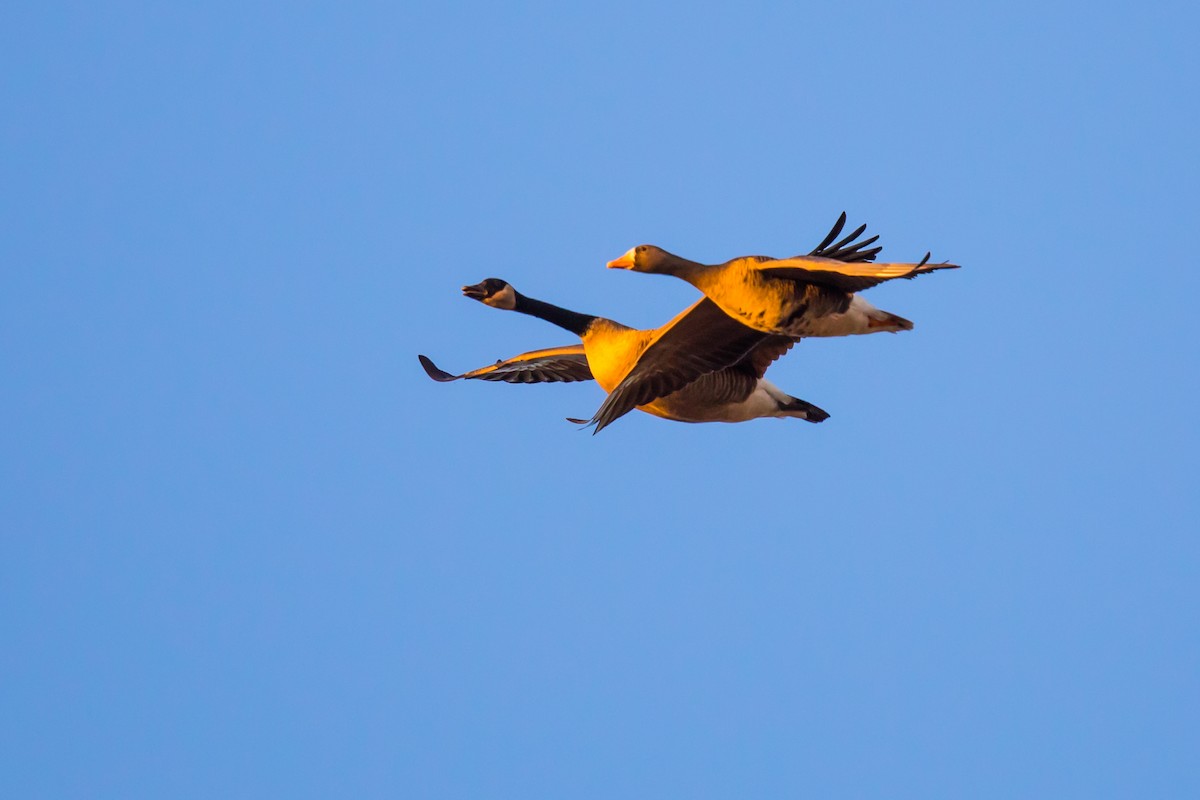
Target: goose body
x=809, y=295
x=697, y=338
x=734, y=394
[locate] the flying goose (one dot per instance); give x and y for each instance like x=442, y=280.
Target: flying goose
x=702, y=339
x=811, y=295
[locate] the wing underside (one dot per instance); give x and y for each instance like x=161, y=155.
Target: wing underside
x=852, y=277
x=565, y=364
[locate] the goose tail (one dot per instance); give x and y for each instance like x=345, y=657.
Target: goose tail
x=861, y=317
x=879, y=320
x=802, y=409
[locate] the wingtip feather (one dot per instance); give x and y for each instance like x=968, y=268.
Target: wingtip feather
x=434, y=372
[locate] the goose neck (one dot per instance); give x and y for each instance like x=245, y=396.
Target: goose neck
x=677, y=267
x=573, y=321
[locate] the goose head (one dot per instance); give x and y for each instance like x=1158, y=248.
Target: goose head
x=493, y=292
x=645, y=258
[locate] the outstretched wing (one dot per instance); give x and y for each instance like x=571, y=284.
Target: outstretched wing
x=847, y=249
x=702, y=339
x=843, y=276
x=552, y=365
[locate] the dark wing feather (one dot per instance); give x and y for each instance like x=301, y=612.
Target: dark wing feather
x=700, y=340
x=551, y=365
x=829, y=237
x=731, y=385
x=764, y=355
x=847, y=249
x=432, y=371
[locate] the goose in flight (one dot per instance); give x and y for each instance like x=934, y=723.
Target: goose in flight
x=729, y=359
x=813, y=295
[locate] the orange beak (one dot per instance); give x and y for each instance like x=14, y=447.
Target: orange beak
x=624, y=262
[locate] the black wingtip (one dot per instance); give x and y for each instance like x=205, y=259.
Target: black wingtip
x=846, y=249
x=432, y=371
x=829, y=237
x=923, y=267
x=860, y=245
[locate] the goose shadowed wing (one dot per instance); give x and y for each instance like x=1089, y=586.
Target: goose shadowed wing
x=768, y=351
x=700, y=340
x=847, y=277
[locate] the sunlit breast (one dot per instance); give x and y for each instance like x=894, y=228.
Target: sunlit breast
x=612, y=350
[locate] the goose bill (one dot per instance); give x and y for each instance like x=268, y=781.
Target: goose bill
x=475, y=292
x=624, y=262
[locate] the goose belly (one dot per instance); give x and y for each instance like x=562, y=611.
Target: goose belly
x=858, y=318
x=697, y=402
x=688, y=410
x=760, y=403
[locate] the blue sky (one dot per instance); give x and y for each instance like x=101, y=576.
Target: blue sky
x=250, y=550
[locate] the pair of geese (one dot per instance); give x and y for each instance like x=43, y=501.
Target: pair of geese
x=708, y=363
